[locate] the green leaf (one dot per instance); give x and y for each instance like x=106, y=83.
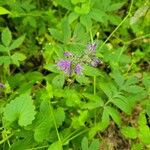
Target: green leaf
x=115, y=6
x=45, y=120
x=105, y=120
x=17, y=57
x=5, y=60
x=129, y=132
x=94, y=145
x=58, y=81
x=72, y=17
x=66, y=31
x=16, y=43
x=86, y=21
x=98, y=15
x=72, y=98
x=56, y=34
x=90, y=71
x=56, y=146
x=4, y=11
x=114, y=114
x=3, y=48
x=123, y=104
x=6, y=37
x=144, y=134
x=84, y=144
x=20, y=109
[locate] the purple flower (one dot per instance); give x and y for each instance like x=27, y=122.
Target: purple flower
x=78, y=69
x=91, y=47
x=95, y=62
x=68, y=54
x=2, y=86
x=65, y=65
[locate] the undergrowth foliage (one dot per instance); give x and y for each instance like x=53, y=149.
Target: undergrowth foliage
x=72, y=72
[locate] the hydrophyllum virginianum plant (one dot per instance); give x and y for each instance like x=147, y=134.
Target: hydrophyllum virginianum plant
x=73, y=64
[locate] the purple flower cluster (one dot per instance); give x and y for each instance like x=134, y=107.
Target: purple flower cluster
x=65, y=66
x=68, y=66
x=73, y=64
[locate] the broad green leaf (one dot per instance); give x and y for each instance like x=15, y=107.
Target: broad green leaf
x=52, y=68
x=6, y=37
x=98, y=15
x=144, y=134
x=94, y=145
x=86, y=21
x=16, y=43
x=72, y=17
x=20, y=109
x=84, y=144
x=3, y=48
x=72, y=98
x=122, y=104
x=17, y=57
x=105, y=120
x=58, y=81
x=45, y=120
x=106, y=89
x=56, y=34
x=83, y=9
x=66, y=31
x=90, y=71
x=4, y=11
x=129, y=132
x=115, y=6
x=79, y=121
x=114, y=114
x=56, y=146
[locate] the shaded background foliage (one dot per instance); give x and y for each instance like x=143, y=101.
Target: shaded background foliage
x=103, y=108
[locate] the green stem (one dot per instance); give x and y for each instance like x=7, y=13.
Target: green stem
x=91, y=36
x=41, y=147
x=52, y=113
x=77, y=135
x=118, y=25
x=94, y=84
x=4, y=140
x=138, y=38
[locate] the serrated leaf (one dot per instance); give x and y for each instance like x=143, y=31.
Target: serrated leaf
x=45, y=121
x=58, y=81
x=98, y=15
x=115, y=6
x=114, y=114
x=129, y=132
x=6, y=37
x=105, y=120
x=84, y=144
x=94, y=145
x=56, y=34
x=56, y=146
x=123, y=105
x=86, y=21
x=16, y=43
x=5, y=60
x=3, y=48
x=66, y=31
x=4, y=11
x=17, y=57
x=20, y=109
x=90, y=71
